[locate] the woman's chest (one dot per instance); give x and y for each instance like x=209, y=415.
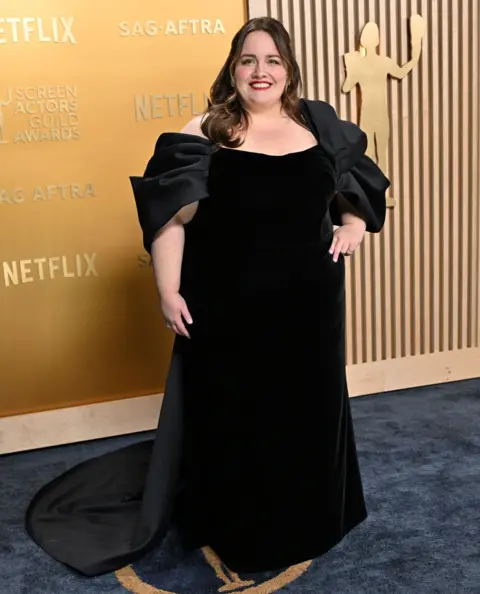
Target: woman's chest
x=260, y=196
x=249, y=181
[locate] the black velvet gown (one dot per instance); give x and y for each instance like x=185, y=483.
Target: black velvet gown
x=255, y=452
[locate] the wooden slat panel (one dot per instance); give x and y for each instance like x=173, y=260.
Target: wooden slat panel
x=258, y=9
x=358, y=263
x=425, y=217
x=446, y=169
x=414, y=289
x=394, y=221
x=404, y=181
x=321, y=48
x=344, y=111
x=465, y=189
x=386, y=266
x=433, y=54
x=309, y=49
x=475, y=187
x=455, y=125
x=416, y=130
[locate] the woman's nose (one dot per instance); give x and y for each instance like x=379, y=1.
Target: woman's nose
x=260, y=70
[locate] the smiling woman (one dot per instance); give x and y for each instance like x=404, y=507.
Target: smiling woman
x=255, y=452
x=260, y=73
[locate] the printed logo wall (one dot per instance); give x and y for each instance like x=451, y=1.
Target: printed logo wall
x=85, y=90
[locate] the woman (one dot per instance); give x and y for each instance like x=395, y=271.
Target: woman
x=255, y=453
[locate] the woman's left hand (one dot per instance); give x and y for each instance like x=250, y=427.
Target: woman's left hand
x=347, y=238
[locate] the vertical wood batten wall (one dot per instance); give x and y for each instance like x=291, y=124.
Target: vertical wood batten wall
x=412, y=297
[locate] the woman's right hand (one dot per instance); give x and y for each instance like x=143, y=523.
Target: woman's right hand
x=175, y=312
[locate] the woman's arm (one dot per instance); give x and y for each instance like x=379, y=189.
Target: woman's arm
x=349, y=214
x=167, y=251
x=167, y=257
x=350, y=234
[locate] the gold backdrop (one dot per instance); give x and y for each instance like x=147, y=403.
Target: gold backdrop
x=85, y=90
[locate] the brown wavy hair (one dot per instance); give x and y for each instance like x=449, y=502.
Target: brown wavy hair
x=225, y=115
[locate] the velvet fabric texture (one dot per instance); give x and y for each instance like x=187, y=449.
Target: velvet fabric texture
x=255, y=451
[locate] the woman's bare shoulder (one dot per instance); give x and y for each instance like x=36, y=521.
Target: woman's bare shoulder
x=194, y=126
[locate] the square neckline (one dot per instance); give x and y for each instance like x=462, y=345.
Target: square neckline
x=309, y=124
x=300, y=152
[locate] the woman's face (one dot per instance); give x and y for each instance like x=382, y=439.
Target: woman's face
x=260, y=76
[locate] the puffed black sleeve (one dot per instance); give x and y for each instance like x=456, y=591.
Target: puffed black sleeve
x=175, y=176
x=359, y=179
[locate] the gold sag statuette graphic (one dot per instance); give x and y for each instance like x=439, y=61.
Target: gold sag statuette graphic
x=231, y=581
x=370, y=71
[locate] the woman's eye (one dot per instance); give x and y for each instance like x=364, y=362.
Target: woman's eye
x=272, y=61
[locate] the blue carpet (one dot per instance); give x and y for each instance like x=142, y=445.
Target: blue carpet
x=419, y=454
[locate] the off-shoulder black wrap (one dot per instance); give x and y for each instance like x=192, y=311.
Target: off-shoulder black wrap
x=177, y=173
x=175, y=176
x=359, y=179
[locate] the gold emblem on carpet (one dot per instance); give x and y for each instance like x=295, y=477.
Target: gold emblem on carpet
x=231, y=581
